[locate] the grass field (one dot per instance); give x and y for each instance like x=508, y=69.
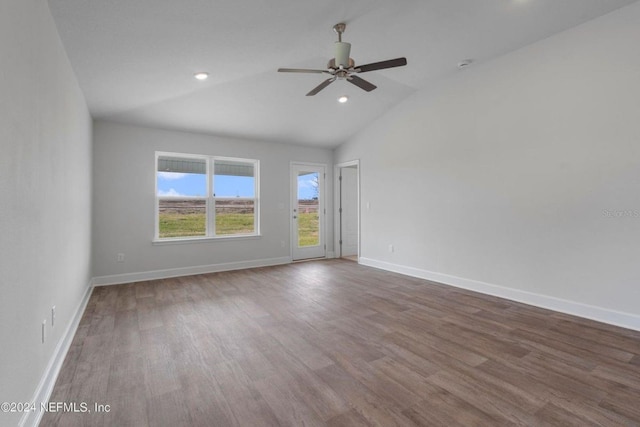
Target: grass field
x=193, y=224
x=182, y=225
x=234, y=223
x=308, y=229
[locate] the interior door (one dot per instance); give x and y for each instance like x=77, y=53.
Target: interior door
x=349, y=210
x=307, y=211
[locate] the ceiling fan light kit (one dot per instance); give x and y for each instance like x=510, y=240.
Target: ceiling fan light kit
x=343, y=67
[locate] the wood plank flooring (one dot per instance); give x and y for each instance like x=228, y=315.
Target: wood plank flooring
x=333, y=343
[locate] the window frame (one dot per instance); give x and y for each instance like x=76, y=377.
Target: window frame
x=210, y=199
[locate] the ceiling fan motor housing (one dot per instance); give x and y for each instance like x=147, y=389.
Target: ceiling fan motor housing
x=342, y=51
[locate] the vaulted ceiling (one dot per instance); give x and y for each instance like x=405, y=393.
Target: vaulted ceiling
x=135, y=59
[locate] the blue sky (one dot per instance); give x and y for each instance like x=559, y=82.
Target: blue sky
x=307, y=186
x=191, y=184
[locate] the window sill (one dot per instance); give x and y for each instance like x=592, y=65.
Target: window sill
x=160, y=242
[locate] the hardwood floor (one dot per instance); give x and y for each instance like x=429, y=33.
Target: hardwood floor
x=338, y=344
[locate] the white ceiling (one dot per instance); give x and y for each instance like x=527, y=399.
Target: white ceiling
x=135, y=59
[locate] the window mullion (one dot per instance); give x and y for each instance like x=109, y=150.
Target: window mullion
x=211, y=202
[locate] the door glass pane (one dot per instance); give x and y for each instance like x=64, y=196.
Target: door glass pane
x=234, y=216
x=308, y=204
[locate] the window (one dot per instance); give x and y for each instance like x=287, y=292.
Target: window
x=205, y=196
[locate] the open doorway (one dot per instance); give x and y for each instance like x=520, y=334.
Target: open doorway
x=348, y=210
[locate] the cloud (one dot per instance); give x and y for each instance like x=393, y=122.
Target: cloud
x=170, y=176
x=171, y=193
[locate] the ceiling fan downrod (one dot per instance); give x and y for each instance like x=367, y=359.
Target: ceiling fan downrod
x=339, y=28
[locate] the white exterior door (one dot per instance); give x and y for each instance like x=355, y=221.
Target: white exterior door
x=307, y=211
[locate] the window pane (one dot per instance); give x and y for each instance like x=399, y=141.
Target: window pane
x=182, y=218
x=181, y=177
x=234, y=216
x=234, y=179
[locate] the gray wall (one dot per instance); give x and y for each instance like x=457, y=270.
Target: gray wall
x=45, y=193
x=523, y=172
x=124, y=202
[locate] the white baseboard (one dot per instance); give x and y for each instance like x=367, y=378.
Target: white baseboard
x=117, y=279
x=613, y=317
x=48, y=380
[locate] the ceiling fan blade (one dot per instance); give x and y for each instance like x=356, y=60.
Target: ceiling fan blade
x=321, y=86
x=398, y=62
x=361, y=83
x=301, y=70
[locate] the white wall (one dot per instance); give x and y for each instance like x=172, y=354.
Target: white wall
x=45, y=196
x=124, y=206
x=504, y=174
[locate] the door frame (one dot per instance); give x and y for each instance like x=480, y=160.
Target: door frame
x=322, y=210
x=337, y=204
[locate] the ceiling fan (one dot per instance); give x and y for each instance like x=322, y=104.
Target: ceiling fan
x=343, y=67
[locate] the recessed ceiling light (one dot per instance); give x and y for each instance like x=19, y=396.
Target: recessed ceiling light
x=201, y=75
x=343, y=99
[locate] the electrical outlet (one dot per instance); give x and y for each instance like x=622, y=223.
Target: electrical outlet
x=390, y=248
x=44, y=330
x=282, y=243
x=120, y=257
x=53, y=316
